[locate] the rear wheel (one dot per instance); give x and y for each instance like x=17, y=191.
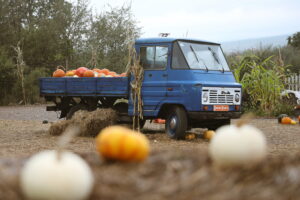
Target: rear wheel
x=177, y=123
x=75, y=109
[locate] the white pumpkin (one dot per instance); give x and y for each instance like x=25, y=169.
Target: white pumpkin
x=235, y=146
x=44, y=176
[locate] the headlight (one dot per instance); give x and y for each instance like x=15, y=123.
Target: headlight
x=205, y=97
x=237, y=97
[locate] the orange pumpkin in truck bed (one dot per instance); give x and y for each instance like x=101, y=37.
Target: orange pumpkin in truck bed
x=59, y=73
x=71, y=73
x=80, y=71
x=105, y=71
x=89, y=73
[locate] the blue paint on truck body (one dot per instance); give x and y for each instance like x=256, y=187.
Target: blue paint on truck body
x=80, y=87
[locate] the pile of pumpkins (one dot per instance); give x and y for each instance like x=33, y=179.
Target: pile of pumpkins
x=55, y=174
x=85, y=72
x=285, y=119
x=58, y=174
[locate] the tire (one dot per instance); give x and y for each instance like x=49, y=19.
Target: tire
x=75, y=109
x=121, y=108
x=176, y=123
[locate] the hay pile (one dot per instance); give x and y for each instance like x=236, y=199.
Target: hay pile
x=89, y=123
x=178, y=175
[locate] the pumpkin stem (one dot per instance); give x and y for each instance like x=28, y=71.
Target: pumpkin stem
x=69, y=133
x=61, y=67
x=245, y=119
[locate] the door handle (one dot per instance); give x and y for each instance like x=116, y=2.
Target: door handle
x=165, y=75
x=170, y=89
x=150, y=75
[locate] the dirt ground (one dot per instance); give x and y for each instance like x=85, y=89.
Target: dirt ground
x=174, y=170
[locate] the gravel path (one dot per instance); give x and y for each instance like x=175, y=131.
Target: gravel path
x=23, y=133
x=31, y=112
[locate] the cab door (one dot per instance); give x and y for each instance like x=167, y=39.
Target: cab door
x=154, y=60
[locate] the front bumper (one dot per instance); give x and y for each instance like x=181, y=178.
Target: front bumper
x=213, y=115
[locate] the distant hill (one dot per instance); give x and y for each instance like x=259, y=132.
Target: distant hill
x=241, y=45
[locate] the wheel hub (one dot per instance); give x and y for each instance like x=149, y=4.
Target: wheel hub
x=173, y=123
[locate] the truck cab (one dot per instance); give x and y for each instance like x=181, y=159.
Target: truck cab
x=188, y=83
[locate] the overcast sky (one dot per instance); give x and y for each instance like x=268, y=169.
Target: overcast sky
x=215, y=20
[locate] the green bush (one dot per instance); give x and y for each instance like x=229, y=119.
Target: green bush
x=31, y=83
x=7, y=77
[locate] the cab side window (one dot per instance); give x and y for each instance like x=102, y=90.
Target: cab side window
x=154, y=57
x=178, y=60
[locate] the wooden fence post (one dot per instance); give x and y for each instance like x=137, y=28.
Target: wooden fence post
x=293, y=82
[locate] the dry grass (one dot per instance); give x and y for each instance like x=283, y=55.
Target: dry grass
x=89, y=123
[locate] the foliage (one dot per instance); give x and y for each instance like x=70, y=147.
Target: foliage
x=7, y=76
x=286, y=55
x=109, y=37
x=58, y=32
x=294, y=40
x=259, y=69
x=262, y=82
x=32, y=84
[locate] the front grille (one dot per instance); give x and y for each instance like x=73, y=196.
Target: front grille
x=216, y=98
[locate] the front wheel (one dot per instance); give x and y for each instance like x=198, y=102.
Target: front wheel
x=177, y=123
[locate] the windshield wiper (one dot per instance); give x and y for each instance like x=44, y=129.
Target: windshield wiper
x=198, y=58
x=216, y=58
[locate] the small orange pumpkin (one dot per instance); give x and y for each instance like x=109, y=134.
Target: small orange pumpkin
x=105, y=71
x=97, y=70
x=59, y=73
x=101, y=75
x=286, y=120
x=70, y=73
x=112, y=73
x=89, y=73
x=299, y=118
x=208, y=134
x=159, y=121
x=120, y=143
x=123, y=75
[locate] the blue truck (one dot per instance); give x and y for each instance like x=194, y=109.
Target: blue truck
x=187, y=82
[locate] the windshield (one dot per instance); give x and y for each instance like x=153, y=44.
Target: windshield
x=204, y=56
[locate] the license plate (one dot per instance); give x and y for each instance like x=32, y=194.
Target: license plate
x=221, y=108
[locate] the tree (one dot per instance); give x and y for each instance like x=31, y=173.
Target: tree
x=59, y=32
x=20, y=69
x=7, y=76
x=110, y=35
x=294, y=40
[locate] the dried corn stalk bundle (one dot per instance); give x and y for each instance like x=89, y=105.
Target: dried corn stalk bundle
x=136, y=70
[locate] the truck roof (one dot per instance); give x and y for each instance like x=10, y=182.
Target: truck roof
x=169, y=40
